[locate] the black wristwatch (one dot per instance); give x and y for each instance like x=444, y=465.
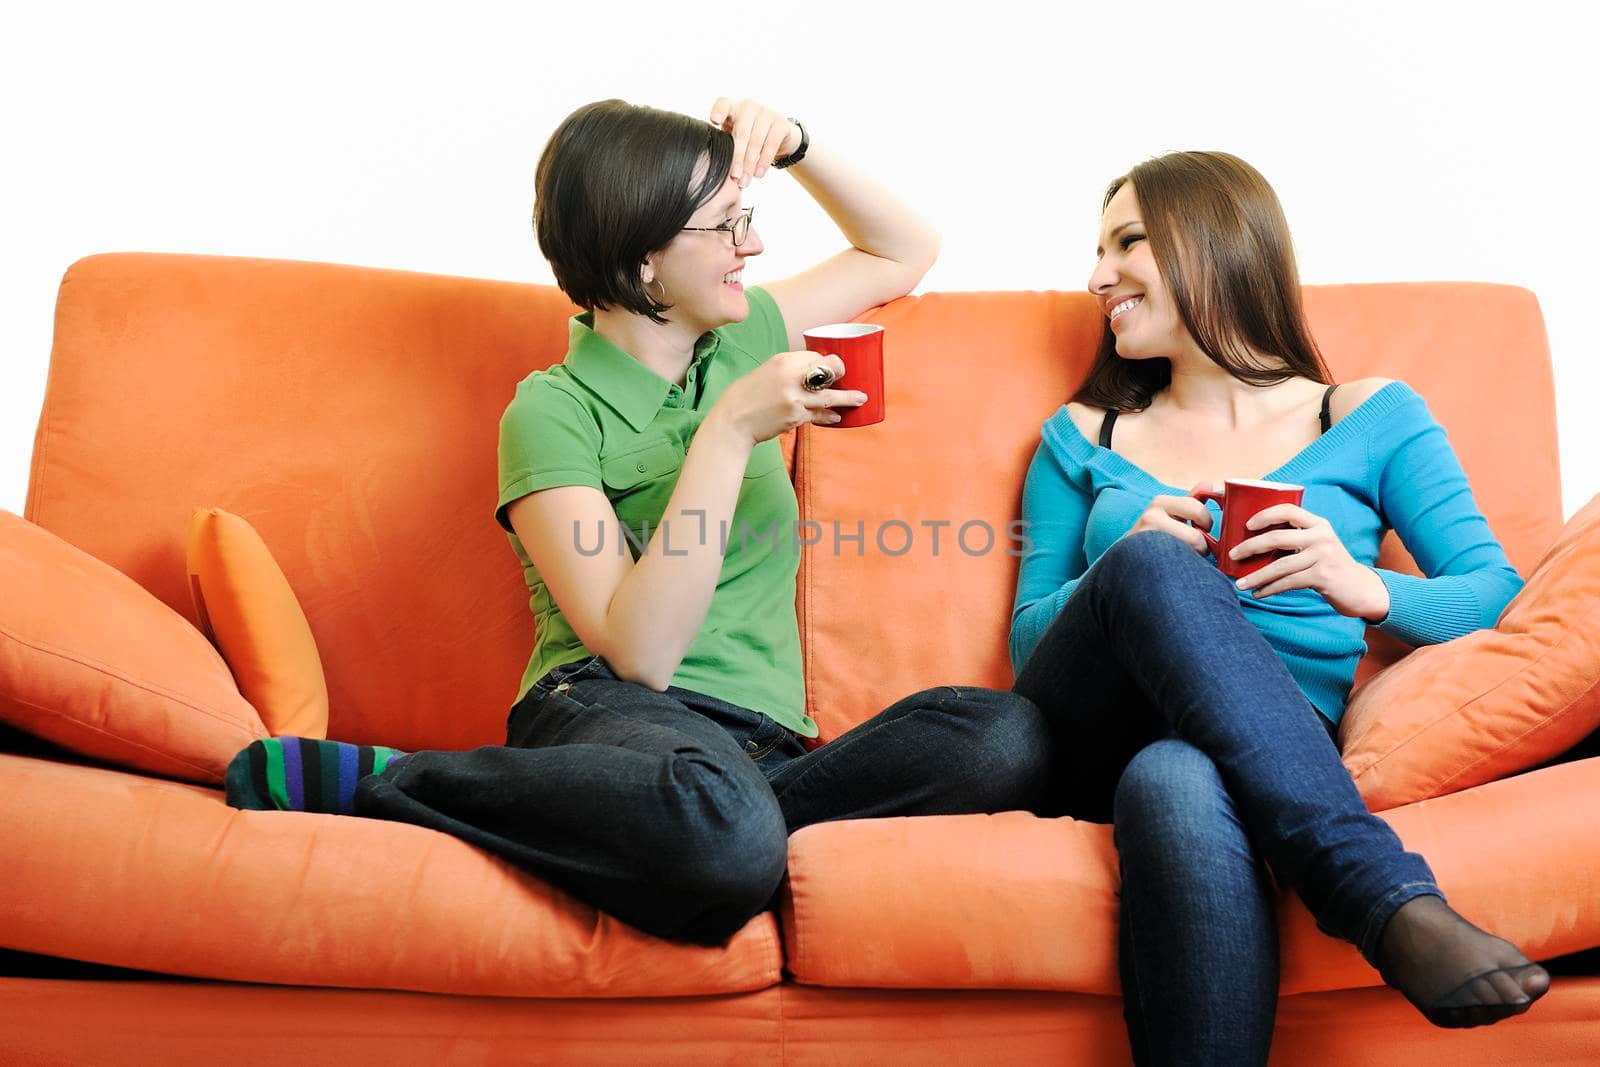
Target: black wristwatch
x=798, y=154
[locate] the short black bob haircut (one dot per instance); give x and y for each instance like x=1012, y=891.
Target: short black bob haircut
x=614, y=185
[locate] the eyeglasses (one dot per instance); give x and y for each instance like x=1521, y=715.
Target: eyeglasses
x=736, y=227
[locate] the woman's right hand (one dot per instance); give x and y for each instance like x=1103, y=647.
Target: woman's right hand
x=1172, y=515
x=773, y=399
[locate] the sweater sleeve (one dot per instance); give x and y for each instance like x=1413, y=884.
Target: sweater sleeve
x=1055, y=514
x=1423, y=495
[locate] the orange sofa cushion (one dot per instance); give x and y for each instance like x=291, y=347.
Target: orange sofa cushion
x=165, y=876
x=374, y=482
x=1013, y=901
x=1492, y=703
x=245, y=605
x=92, y=662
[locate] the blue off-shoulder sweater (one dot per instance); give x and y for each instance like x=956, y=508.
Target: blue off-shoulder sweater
x=1385, y=465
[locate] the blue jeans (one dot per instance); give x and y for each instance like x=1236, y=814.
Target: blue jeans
x=1198, y=938
x=1174, y=718
x=671, y=810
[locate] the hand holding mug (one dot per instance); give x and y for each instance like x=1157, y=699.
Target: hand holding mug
x=1240, y=500
x=1315, y=559
x=1173, y=515
x=859, y=345
x=775, y=397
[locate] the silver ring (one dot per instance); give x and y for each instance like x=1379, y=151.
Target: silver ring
x=817, y=378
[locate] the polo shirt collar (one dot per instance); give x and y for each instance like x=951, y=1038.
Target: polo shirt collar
x=633, y=390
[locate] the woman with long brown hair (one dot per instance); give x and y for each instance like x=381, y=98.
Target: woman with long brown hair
x=1199, y=714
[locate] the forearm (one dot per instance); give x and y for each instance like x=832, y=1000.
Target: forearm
x=1430, y=611
x=1056, y=516
x=660, y=606
x=872, y=218
x=1429, y=503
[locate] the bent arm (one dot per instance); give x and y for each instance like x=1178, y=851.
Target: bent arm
x=891, y=248
x=1425, y=498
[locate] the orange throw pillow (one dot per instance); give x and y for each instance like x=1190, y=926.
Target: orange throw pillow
x=92, y=662
x=245, y=604
x=1452, y=716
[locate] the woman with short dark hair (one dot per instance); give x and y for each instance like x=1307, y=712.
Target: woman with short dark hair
x=654, y=763
x=1198, y=714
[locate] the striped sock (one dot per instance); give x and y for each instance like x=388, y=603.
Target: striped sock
x=298, y=774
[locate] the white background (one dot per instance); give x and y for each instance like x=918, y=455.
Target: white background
x=1407, y=141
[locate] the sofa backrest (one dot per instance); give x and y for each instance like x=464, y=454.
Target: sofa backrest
x=970, y=378
x=351, y=416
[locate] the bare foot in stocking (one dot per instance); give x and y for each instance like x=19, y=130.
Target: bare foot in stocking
x=1456, y=974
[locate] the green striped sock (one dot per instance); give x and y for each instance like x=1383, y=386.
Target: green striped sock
x=299, y=774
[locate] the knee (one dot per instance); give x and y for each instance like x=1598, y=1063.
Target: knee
x=1152, y=574
x=1010, y=751
x=1150, y=552
x=1172, y=796
x=730, y=846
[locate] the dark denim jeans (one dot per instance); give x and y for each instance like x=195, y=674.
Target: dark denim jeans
x=1198, y=940
x=671, y=810
x=1152, y=645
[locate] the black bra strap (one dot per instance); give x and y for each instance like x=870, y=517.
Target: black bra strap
x=1105, y=427
x=1326, y=397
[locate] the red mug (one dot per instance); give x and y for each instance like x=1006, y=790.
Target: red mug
x=860, y=346
x=1241, y=499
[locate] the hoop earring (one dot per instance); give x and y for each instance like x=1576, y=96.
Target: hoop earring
x=663, y=285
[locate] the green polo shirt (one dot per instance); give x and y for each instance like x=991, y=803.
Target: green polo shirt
x=603, y=419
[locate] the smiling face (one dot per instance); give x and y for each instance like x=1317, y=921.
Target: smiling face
x=1128, y=285
x=701, y=270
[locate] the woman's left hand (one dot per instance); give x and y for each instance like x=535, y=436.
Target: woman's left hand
x=1320, y=562
x=760, y=135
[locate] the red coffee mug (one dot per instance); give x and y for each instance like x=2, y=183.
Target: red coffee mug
x=860, y=346
x=1241, y=499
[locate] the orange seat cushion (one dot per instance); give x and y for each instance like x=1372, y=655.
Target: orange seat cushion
x=244, y=602
x=91, y=661
x=165, y=876
x=1452, y=716
x=1012, y=901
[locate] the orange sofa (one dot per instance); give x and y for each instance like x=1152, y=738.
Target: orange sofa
x=351, y=415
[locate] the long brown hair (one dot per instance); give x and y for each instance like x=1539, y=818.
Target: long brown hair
x=1222, y=246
